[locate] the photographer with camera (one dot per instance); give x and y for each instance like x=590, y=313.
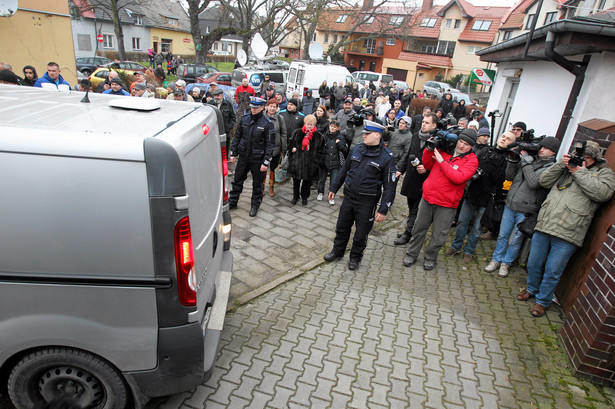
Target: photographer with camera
x=579, y=183
x=518, y=129
x=524, y=197
x=488, y=178
x=442, y=192
x=415, y=172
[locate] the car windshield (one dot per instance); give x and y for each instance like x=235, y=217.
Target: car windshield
x=208, y=75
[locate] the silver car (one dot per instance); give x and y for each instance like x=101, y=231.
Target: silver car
x=436, y=88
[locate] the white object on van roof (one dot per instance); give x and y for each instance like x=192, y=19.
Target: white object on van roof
x=259, y=46
x=8, y=8
x=315, y=51
x=137, y=104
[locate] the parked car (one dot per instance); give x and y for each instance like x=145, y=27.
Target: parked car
x=458, y=96
x=125, y=65
x=189, y=72
x=364, y=77
x=101, y=74
x=221, y=78
x=88, y=65
x=436, y=88
x=124, y=202
x=401, y=85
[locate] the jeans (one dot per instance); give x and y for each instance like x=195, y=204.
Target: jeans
x=507, y=247
x=548, y=258
x=463, y=222
x=441, y=217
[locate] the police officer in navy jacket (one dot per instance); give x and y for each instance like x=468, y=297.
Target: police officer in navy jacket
x=367, y=175
x=254, y=144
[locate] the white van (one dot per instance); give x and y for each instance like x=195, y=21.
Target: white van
x=304, y=75
x=115, y=265
x=364, y=77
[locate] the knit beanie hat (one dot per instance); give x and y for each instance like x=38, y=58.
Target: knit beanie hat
x=521, y=125
x=483, y=131
x=293, y=101
x=469, y=136
x=550, y=143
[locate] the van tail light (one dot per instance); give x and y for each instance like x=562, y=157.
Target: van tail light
x=224, y=171
x=184, y=260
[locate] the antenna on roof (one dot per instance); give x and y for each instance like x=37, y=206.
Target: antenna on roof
x=8, y=8
x=259, y=46
x=315, y=51
x=242, y=57
x=86, y=99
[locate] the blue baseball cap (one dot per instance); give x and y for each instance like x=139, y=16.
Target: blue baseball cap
x=256, y=102
x=370, y=126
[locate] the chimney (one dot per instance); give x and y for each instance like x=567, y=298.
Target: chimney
x=427, y=5
x=368, y=4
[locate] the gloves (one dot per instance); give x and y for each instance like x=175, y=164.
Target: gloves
x=526, y=159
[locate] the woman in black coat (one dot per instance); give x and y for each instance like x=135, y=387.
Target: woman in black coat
x=306, y=150
x=460, y=110
x=446, y=104
x=323, y=92
x=322, y=119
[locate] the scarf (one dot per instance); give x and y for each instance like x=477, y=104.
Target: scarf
x=423, y=137
x=305, y=144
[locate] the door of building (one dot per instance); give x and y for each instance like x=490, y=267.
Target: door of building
x=398, y=75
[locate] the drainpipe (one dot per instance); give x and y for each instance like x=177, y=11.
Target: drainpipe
x=576, y=69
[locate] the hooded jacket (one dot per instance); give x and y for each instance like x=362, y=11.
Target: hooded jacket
x=333, y=149
x=46, y=79
x=399, y=145
x=573, y=199
x=447, y=180
x=526, y=194
x=26, y=81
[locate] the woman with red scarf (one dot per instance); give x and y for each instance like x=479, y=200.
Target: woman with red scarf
x=306, y=150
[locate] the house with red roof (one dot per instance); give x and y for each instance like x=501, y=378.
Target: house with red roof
x=443, y=41
x=520, y=17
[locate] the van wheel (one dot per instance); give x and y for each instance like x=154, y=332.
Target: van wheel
x=65, y=373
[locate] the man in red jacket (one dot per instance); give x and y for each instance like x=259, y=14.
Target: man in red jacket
x=242, y=96
x=442, y=191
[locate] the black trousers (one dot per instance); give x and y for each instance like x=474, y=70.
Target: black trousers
x=241, y=174
x=413, y=209
x=360, y=212
x=301, y=187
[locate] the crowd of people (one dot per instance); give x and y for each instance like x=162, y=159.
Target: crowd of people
x=365, y=141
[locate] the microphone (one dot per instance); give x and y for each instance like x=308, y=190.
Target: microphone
x=414, y=160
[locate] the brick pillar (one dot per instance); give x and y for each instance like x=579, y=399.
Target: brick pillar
x=589, y=332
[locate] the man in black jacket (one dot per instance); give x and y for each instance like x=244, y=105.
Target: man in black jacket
x=488, y=178
x=368, y=174
x=228, y=113
x=254, y=143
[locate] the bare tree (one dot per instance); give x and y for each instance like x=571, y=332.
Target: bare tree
x=112, y=9
x=205, y=41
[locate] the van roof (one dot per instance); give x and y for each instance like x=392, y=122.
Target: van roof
x=61, y=118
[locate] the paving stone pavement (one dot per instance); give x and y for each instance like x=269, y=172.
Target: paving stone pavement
x=385, y=336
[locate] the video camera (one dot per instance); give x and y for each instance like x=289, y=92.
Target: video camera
x=356, y=118
x=444, y=140
x=528, y=136
x=531, y=147
x=577, y=157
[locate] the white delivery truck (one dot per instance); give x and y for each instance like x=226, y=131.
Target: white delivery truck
x=304, y=75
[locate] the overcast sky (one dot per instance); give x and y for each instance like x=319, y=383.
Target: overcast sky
x=494, y=3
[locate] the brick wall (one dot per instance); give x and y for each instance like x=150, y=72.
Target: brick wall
x=589, y=332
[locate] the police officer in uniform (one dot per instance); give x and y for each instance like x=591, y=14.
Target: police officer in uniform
x=368, y=173
x=254, y=143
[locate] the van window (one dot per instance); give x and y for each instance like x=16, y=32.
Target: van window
x=386, y=78
x=300, y=75
x=370, y=77
x=276, y=77
x=292, y=74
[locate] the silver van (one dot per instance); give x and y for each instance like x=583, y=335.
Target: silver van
x=114, y=257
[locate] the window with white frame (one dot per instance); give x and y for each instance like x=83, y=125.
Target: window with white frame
x=108, y=40
x=136, y=43
x=396, y=20
x=138, y=19
x=326, y=38
x=369, y=20
x=172, y=21
x=457, y=23
x=507, y=35
x=335, y=38
x=481, y=25
x=341, y=19
x=431, y=49
x=390, y=41
x=448, y=23
x=472, y=49
x=165, y=45
x=530, y=20
x=370, y=45
x=428, y=22
x=84, y=42
x=446, y=48
x=207, y=30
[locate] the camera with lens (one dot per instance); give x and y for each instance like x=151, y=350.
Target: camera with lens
x=527, y=136
x=578, y=155
x=356, y=119
x=442, y=140
x=446, y=122
x=515, y=148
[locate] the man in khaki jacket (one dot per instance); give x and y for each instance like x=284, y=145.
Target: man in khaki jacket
x=564, y=218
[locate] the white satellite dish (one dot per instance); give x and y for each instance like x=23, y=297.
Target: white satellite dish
x=242, y=57
x=259, y=46
x=315, y=51
x=8, y=8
